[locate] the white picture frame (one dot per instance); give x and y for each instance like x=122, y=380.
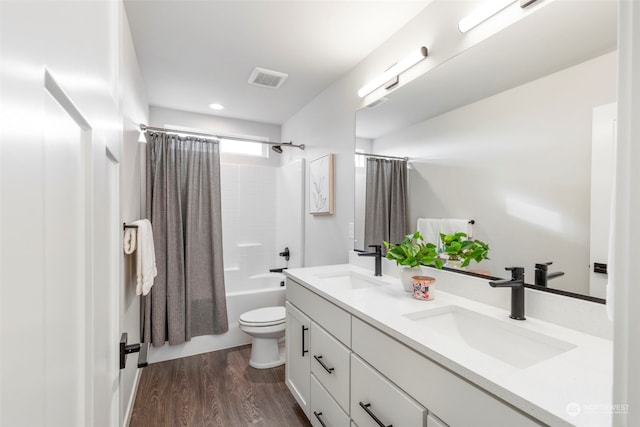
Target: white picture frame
x=321, y=185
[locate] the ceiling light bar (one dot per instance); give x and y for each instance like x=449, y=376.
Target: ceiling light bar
x=394, y=71
x=483, y=13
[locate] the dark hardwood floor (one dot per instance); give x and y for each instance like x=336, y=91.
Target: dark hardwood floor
x=215, y=389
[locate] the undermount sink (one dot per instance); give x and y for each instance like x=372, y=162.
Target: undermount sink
x=350, y=280
x=501, y=339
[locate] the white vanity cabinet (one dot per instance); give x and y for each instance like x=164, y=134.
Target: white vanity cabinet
x=356, y=375
x=298, y=366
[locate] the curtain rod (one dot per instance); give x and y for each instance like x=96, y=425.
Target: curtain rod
x=380, y=156
x=144, y=127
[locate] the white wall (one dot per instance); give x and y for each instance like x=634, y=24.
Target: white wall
x=327, y=123
x=519, y=164
x=134, y=112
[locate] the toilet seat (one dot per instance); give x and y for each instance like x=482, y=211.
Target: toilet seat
x=262, y=317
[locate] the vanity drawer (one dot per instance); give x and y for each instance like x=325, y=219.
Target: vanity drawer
x=458, y=402
x=325, y=412
x=373, y=396
x=329, y=316
x=330, y=364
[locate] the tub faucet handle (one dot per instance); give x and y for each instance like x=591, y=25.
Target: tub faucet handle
x=285, y=254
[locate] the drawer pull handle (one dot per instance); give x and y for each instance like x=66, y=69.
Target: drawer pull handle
x=326, y=368
x=318, y=414
x=303, y=350
x=372, y=415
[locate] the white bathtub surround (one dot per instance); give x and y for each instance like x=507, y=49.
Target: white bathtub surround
x=548, y=389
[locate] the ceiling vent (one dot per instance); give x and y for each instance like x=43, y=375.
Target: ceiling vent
x=267, y=78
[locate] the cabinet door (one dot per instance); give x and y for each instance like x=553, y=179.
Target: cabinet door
x=298, y=366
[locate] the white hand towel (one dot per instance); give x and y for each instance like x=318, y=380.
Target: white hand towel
x=429, y=228
x=145, y=257
x=129, y=240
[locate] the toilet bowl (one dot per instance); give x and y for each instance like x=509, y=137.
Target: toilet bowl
x=266, y=326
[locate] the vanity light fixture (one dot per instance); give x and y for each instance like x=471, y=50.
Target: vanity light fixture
x=483, y=13
x=216, y=106
x=394, y=71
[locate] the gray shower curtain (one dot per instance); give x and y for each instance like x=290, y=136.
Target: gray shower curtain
x=184, y=207
x=385, y=215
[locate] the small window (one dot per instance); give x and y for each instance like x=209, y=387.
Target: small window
x=233, y=146
x=243, y=148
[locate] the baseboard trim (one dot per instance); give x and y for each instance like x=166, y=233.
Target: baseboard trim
x=132, y=399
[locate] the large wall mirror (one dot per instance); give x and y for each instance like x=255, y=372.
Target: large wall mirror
x=515, y=133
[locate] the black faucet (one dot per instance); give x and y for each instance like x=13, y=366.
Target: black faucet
x=285, y=254
x=516, y=283
x=543, y=276
x=378, y=254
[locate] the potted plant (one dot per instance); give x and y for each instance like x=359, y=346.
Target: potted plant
x=411, y=253
x=461, y=251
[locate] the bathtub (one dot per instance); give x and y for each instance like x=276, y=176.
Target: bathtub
x=267, y=282
x=262, y=290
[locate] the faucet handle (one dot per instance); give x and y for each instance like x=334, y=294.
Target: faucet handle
x=378, y=248
x=516, y=272
x=543, y=266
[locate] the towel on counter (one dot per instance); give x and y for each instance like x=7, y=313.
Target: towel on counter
x=430, y=228
x=129, y=240
x=146, y=269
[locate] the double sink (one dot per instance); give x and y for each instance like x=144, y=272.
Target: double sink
x=502, y=339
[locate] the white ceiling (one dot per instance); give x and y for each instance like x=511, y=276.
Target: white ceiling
x=193, y=53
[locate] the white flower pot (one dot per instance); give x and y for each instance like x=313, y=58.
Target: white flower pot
x=405, y=277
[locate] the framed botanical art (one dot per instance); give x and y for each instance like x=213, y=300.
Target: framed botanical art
x=321, y=185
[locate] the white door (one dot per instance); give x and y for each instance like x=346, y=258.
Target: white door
x=58, y=215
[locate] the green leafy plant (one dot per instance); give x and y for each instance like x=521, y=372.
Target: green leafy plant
x=457, y=247
x=413, y=252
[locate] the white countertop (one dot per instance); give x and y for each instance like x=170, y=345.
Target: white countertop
x=579, y=379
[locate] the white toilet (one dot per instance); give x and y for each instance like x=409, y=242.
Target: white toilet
x=266, y=326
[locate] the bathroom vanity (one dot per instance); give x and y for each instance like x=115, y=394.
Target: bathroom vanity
x=361, y=352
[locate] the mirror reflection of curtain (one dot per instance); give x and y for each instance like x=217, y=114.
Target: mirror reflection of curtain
x=385, y=215
x=184, y=207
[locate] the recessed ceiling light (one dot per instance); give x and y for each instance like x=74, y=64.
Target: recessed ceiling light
x=216, y=106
